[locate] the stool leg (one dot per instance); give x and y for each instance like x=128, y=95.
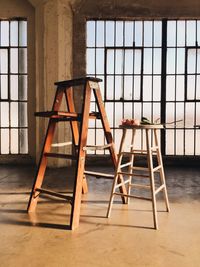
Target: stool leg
x=152, y=180
x=162, y=174
x=116, y=177
x=130, y=170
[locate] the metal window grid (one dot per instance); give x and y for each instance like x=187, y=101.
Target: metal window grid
x=13, y=87
x=165, y=78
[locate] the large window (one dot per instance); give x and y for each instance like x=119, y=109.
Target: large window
x=150, y=69
x=13, y=87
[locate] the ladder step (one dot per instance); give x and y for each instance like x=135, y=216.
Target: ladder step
x=56, y=114
x=99, y=174
x=76, y=82
x=55, y=194
x=63, y=115
x=62, y=156
x=133, y=196
x=101, y=147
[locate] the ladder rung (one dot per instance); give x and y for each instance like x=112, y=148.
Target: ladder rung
x=97, y=147
x=125, y=165
x=140, y=168
x=62, y=156
x=159, y=189
x=141, y=175
x=121, y=184
x=133, y=196
x=61, y=144
x=157, y=168
x=126, y=173
x=55, y=194
x=154, y=147
x=99, y=174
x=141, y=186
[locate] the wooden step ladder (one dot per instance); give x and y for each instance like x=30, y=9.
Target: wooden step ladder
x=79, y=127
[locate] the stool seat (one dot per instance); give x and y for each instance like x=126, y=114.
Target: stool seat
x=142, y=126
x=133, y=172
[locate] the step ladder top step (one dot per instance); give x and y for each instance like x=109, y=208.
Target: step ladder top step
x=142, y=126
x=76, y=82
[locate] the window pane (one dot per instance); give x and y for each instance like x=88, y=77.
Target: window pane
x=99, y=61
x=22, y=87
x=128, y=61
x=4, y=60
x=22, y=33
x=148, y=33
x=4, y=114
x=4, y=86
x=138, y=33
x=14, y=60
x=157, y=33
x=14, y=141
x=22, y=60
x=181, y=33
x=171, y=33
x=100, y=35
x=23, y=114
x=14, y=33
x=91, y=33
x=14, y=87
x=109, y=33
x=4, y=141
x=128, y=33
x=4, y=33
x=23, y=133
x=14, y=114
x=110, y=61
x=191, y=32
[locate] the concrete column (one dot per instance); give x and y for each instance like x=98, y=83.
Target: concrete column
x=53, y=63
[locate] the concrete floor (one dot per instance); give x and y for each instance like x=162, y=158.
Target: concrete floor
x=125, y=239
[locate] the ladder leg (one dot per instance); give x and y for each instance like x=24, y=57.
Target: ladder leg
x=78, y=183
x=152, y=181
x=108, y=136
x=118, y=168
x=43, y=160
x=162, y=174
x=74, y=129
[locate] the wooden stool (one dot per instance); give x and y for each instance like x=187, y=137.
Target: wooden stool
x=137, y=171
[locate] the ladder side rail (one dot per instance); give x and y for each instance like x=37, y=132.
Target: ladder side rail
x=46, y=148
x=76, y=203
x=74, y=129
